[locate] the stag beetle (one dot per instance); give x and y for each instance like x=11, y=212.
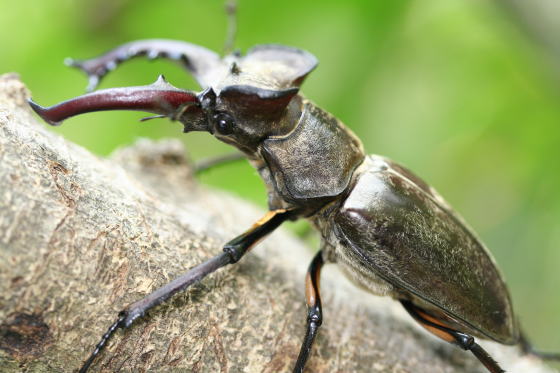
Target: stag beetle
x=391, y=233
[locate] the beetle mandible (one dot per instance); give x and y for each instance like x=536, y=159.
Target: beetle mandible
x=391, y=233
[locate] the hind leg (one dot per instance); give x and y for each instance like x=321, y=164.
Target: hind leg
x=465, y=341
x=528, y=348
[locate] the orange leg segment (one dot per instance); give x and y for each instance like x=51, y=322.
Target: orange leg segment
x=439, y=328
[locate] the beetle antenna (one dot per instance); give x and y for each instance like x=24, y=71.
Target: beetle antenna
x=231, y=12
x=159, y=116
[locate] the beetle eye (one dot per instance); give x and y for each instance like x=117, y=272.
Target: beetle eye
x=225, y=123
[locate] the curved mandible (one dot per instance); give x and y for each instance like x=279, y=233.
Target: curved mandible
x=159, y=98
x=198, y=60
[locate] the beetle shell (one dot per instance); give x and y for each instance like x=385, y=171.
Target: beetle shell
x=395, y=225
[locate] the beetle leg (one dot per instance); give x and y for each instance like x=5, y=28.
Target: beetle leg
x=528, y=348
x=314, y=309
x=232, y=252
x=194, y=58
x=211, y=162
x=465, y=341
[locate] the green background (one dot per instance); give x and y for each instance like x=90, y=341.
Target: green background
x=455, y=90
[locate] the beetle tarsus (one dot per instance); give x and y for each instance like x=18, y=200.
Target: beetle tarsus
x=240, y=245
x=106, y=337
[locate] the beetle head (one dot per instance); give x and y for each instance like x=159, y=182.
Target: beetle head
x=243, y=115
x=251, y=97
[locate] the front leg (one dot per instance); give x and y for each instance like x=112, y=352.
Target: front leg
x=233, y=251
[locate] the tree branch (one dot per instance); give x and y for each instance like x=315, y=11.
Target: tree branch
x=81, y=237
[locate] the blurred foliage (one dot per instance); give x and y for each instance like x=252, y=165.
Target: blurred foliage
x=452, y=89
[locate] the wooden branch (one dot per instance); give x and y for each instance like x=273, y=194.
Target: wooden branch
x=81, y=237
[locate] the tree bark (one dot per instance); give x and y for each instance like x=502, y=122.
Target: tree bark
x=81, y=237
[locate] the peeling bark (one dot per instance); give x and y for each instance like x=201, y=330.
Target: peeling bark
x=82, y=236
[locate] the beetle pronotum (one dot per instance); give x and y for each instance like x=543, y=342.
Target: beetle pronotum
x=391, y=232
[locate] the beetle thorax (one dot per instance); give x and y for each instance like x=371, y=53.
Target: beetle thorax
x=313, y=163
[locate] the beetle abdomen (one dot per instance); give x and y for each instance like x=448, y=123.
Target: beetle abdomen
x=399, y=229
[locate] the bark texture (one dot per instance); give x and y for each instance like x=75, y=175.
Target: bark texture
x=82, y=236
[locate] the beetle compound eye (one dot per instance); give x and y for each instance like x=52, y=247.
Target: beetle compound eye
x=225, y=124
